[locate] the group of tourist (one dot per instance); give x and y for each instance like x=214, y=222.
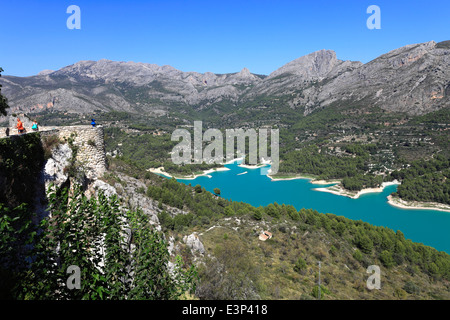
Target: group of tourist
x=21, y=129
x=34, y=126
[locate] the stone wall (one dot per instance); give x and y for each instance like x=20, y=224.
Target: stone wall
x=90, y=142
x=91, y=147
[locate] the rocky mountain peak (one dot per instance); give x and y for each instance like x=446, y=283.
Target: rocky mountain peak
x=406, y=55
x=245, y=72
x=245, y=76
x=412, y=79
x=45, y=72
x=313, y=66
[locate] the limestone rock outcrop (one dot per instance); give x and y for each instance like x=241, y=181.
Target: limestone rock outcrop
x=194, y=243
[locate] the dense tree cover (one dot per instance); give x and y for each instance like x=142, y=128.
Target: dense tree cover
x=310, y=160
x=146, y=150
x=426, y=181
x=352, y=166
x=361, y=181
x=118, y=253
x=439, y=116
x=149, y=151
x=352, y=169
x=321, y=119
x=430, y=187
x=361, y=149
x=200, y=204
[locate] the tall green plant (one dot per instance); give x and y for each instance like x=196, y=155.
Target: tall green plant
x=119, y=254
x=153, y=280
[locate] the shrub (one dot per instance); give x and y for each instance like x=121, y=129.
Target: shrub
x=399, y=293
x=364, y=243
x=300, y=265
x=140, y=190
x=323, y=291
x=91, y=143
x=48, y=144
x=257, y=215
x=166, y=220
x=272, y=211
x=357, y=255
x=333, y=250
x=205, y=221
x=386, y=259
x=411, y=288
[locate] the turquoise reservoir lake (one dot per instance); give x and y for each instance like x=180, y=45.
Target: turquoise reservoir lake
x=430, y=227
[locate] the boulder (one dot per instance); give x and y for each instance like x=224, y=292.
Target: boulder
x=194, y=243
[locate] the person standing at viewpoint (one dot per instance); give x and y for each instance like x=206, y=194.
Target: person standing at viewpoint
x=20, y=128
x=35, y=126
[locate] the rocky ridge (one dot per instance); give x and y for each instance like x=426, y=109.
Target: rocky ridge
x=413, y=79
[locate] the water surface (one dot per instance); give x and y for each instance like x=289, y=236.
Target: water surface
x=429, y=227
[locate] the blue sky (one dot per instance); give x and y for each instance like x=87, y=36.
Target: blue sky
x=216, y=36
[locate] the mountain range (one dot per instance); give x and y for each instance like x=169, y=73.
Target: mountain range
x=414, y=79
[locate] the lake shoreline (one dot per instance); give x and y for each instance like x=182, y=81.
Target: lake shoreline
x=294, y=177
x=303, y=177
x=287, y=179
x=335, y=189
x=417, y=205
x=263, y=164
x=424, y=226
x=206, y=173
x=340, y=191
x=161, y=171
